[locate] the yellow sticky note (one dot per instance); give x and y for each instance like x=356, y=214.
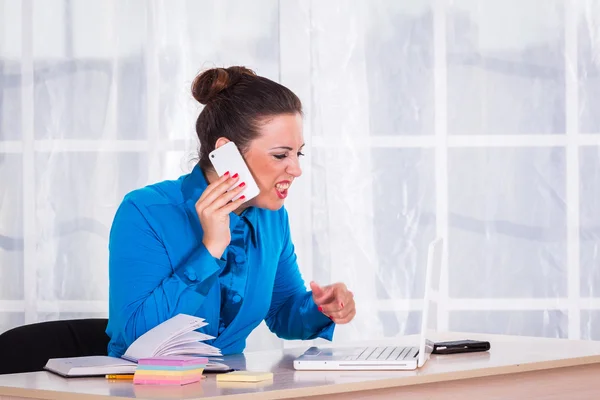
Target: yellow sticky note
x=244, y=376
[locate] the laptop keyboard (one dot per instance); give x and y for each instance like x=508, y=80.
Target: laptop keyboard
x=384, y=354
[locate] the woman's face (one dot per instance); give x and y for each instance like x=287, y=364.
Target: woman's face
x=274, y=159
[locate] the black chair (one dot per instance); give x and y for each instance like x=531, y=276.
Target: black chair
x=27, y=348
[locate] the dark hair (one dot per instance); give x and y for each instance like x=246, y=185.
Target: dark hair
x=237, y=102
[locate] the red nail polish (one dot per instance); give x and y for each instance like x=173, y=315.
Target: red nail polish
x=242, y=197
x=235, y=176
x=226, y=173
x=320, y=308
x=242, y=184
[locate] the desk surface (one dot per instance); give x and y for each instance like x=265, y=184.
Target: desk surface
x=509, y=354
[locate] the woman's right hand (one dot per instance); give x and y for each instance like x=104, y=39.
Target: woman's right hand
x=213, y=209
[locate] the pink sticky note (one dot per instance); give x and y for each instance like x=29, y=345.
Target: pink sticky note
x=174, y=361
x=163, y=382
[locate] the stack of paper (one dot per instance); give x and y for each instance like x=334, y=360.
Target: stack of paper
x=169, y=370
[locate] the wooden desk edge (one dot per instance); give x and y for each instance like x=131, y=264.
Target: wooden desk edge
x=433, y=378
x=334, y=388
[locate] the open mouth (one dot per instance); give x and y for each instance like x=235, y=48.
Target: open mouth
x=282, y=189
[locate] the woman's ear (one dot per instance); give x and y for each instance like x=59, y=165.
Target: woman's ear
x=221, y=141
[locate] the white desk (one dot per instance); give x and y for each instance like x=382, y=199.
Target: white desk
x=529, y=367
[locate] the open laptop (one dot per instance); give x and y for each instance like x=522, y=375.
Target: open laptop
x=386, y=357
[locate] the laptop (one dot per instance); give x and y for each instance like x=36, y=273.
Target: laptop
x=386, y=357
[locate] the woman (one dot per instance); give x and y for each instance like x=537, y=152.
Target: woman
x=184, y=247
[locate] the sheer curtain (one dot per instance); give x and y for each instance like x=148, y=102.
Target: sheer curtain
x=463, y=119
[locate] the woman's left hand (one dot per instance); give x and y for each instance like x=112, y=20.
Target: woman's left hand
x=335, y=301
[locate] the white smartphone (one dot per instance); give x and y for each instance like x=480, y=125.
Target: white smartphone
x=228, y=158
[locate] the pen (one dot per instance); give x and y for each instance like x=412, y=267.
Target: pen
x=122, y=377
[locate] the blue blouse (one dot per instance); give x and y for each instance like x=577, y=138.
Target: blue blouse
x=159, y=267
x=234, y=276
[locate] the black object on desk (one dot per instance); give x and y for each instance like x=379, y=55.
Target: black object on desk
x=460, y=346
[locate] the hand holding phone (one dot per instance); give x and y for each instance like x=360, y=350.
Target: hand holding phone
x=235, y=186
x=228, y=158
x=213, y=208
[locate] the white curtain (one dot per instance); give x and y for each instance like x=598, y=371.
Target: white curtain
x=471, y=120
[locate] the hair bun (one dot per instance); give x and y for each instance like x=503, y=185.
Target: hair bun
x=208, y=84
